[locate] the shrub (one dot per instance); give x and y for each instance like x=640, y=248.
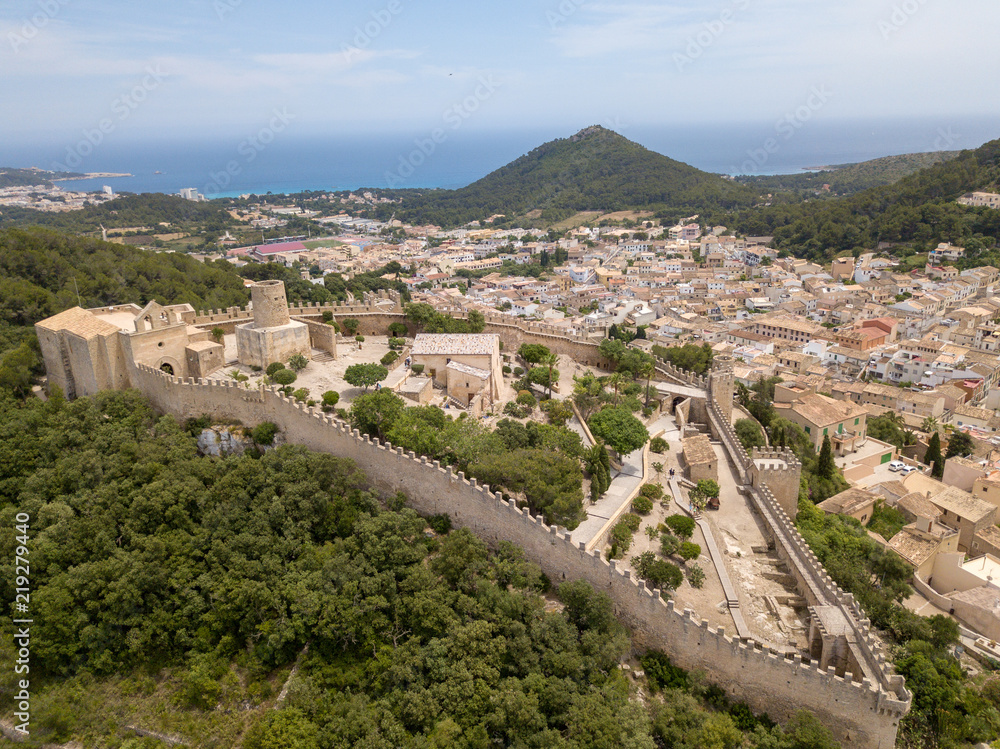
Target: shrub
x=263, y=434
x=689, y=551
x=662, y=674
x=255, y=368
x=274, y=367
x=417, y=369
x=506, y=370
x=298, y=362
x=301, y=394
x=524, y=398
x=658, y=445
x=330, y=398
x=518, y=412
x=621, y=539
x=518, y=371
x=668, y=544
x=632, y=522
x=440, y=524
x=396, y=343
x=642, y=505
x=681, y=525
x=218, y=334
x=397, y=329
x=696, y=576
x=389, y=358
x=284, y=377
x=350, y=325
x=327, y=316
x=657, y=572
x=653, y=492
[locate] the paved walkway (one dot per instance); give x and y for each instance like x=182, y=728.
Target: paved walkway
x=623, y=484
x=675, y=390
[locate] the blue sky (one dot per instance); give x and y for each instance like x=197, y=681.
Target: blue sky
x=220, y=68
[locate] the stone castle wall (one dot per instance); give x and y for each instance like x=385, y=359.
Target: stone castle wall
x=863, y=713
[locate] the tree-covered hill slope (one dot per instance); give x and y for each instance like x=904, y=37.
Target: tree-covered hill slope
x=596, y=169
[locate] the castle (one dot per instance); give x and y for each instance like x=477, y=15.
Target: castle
x=844, y=680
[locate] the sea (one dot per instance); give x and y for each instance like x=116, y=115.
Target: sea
x=289, y=162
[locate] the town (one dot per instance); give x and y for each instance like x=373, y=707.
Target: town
x=889, y=377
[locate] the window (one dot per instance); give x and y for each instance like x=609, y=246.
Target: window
x=808, y=430
x=857, y=420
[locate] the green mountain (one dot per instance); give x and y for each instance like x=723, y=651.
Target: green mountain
x=916, y=213
x=847, y=179
x=594, y=170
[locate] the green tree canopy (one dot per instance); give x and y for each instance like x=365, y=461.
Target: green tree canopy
x=365, y=375
x=619, y=429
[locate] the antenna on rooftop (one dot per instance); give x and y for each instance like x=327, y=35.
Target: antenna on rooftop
x=78, y=301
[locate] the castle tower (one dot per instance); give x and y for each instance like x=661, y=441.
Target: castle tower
x=721, y=385
x=780, y=471
x=272, y=336
x=270, y=305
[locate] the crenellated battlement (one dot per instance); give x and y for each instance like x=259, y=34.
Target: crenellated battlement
x=767, y=680
x=784, y=454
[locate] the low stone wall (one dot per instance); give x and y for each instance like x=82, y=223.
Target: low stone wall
x=861, y=714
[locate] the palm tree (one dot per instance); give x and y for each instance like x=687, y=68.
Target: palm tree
x=615, y=381
x=550, y=360
x=658, y=467
x=930, y=424
x=646, y=370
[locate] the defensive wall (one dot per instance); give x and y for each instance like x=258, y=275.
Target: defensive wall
x=863, y=713
x=828, y=602
x=378, y=311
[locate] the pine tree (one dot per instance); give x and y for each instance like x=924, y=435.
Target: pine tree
x=825, y=467
x=933, y=456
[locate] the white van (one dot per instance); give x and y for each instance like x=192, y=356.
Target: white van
x=897, y=465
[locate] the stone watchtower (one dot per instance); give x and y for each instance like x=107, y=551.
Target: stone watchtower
x=270, y=305
x=780, y=471
x=272, y=336
x=721, y=385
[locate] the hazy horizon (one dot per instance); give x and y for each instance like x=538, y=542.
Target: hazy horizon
x=220, y=68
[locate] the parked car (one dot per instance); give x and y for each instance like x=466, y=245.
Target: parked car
x=907, y=470
x=897, y=465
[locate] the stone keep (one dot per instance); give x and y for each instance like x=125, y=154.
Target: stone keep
x=272, y=336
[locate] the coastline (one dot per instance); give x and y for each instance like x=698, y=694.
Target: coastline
x=92, y=175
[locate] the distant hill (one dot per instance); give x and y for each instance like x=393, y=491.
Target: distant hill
x=148, y=209
x=43, y=272
x=13, y=177
x=594, y=170
x=917, y=212
x=847, y=179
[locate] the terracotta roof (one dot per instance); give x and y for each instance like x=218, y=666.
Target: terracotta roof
x=848, y=502
x=824, y=411
x=79, y=322
x=914, y=548
x=698, y=450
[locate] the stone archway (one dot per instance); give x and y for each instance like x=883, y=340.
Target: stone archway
x=171, y=366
